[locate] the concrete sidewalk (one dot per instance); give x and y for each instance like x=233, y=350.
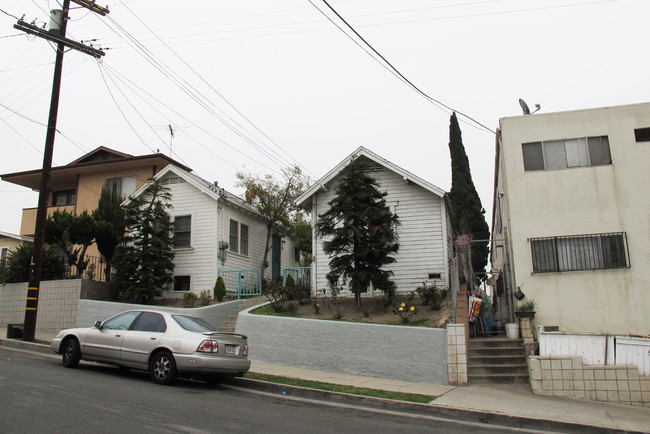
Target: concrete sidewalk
x=513, y=400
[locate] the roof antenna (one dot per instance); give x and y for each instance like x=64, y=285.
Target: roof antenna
x=525, y=109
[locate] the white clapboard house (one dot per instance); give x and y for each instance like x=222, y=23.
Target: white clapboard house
x=425, y=235
x=216, y=232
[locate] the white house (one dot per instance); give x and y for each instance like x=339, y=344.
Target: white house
x=571, y=220
x=218, y=232
x=425, y=234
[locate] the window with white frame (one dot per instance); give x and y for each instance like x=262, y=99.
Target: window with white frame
x=238, y=239
x=566, y=153
x=181, y=283
x=182, y=231
x=580, y=252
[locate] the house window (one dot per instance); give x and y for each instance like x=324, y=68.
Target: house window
x=181, y=283
x=580, y=252
x=4, y=252
x=64, y=197
x=182, y=231
x=642, y=134
x=567, y=153
x=238, y=239
x=296, y=254
x=124, y=186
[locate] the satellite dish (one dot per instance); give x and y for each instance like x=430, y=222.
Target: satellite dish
x=525, y=109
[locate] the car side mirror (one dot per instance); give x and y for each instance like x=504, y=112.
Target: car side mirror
x=98, y=325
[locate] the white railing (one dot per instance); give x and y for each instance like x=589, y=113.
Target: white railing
x=597, y=349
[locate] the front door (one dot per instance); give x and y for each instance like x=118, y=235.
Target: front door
x=276, y=256
x=144, y=336
x=105, y=343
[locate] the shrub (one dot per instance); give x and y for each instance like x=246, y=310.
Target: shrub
x=219, y=289
x=189, y=298
x=205, y=298
x=276, y=294
x=405, y=309
x=431, y=295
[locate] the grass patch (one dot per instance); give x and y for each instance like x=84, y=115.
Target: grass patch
x=361, y=391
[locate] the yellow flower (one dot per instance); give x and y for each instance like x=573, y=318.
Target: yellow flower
x=412, y=308
x=403, y=305
x=401, y=309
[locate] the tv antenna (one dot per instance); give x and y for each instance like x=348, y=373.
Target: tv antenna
x=525, y=109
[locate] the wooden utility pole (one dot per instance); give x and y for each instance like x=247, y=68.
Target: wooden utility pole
x=57, y=36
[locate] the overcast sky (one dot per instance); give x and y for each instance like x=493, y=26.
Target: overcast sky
x=256, y=85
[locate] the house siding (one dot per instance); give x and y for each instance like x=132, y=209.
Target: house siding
x=422, y=234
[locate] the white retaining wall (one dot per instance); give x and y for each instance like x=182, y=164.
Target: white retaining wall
x=373, y=350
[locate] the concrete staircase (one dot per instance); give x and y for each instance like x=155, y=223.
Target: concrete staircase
x=496, y=360
x=231, y=323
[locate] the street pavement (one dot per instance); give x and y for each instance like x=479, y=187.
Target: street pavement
x=482, y=402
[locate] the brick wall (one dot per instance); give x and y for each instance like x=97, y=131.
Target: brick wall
x=568, y=377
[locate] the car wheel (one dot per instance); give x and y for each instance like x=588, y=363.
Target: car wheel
x=71, y=353
x=162, y=368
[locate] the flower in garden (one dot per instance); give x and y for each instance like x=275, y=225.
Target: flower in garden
x=401, y=309
x=412, y=308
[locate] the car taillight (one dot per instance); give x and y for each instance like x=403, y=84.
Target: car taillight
x=208, y=347
x=245, y=350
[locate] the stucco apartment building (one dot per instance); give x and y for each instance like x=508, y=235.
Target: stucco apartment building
x=76, y=187
x=571, y=219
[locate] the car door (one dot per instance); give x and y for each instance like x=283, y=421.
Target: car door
x=105, y=343
x=142, y=338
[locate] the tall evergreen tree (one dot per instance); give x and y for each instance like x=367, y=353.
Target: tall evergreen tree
x=467, y=213
x=144, y=262
x=109, y=229
x=359, y=232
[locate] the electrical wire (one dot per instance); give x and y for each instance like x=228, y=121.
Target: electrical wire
x=391, y=67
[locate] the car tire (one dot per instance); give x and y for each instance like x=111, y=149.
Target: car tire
x=162, y=368
x=71, y=353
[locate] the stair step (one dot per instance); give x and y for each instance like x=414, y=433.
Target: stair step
x=498, y=370
x=496, y=360
x=497, y=378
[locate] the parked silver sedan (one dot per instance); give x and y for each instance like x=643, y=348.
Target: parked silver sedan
x=166, y=344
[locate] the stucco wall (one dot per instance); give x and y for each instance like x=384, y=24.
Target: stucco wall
x=373, y=350
x=575, y=201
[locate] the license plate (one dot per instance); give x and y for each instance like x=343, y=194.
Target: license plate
x=231, y=349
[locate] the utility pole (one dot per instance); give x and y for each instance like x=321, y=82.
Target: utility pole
x=56, y=34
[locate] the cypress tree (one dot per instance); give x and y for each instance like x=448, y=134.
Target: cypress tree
x=467, y=213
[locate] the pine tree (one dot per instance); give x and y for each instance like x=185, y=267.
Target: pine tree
x=144, y=262
x=467, y=213
x=359, y=232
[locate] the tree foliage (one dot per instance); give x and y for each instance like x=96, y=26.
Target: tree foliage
x=274, y=200
x=16, y=268
x=109, y=226
x=359, y=232
x=467, y=213
x=144, y=262
x=72, y=235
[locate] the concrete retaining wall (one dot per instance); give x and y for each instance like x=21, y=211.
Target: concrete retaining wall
x=384, y=351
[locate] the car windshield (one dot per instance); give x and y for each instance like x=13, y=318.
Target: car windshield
x=193, y=324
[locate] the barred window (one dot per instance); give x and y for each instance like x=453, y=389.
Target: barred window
x=580, y=252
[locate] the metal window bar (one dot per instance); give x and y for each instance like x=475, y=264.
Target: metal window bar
x=95, y=269
x=243, y=283
x=580, y=252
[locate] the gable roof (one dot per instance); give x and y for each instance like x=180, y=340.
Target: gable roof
x=304, y=200
x=90, y=163
x=210, y=189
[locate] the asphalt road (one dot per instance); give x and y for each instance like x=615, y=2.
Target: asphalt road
x=38, y=395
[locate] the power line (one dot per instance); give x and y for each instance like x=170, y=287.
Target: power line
x=392, y=68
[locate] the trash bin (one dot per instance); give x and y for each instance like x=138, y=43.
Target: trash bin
x=15, y=331
x=512, y=331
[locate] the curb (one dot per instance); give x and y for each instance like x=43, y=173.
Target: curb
x=432, y=409
x=459, y=414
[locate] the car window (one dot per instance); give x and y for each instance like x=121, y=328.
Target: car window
x=193, y=324
x=149, y=322
x=120, y=322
